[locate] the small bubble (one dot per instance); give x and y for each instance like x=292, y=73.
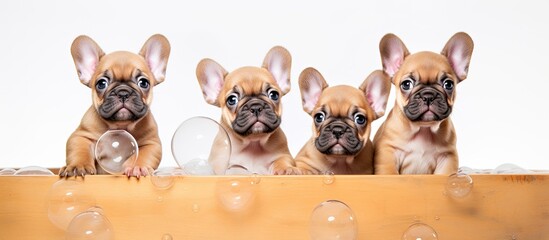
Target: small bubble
x=437, y=218
x=328, y=177
x=420, y=231
x=196, y=208
x=167, y=237
x=459, y=185
x=159, y=199
x=255, y=179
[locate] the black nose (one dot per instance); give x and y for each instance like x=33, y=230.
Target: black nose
x=256, y=109
x=428, y=96
x=123, y=94
x=337, y=131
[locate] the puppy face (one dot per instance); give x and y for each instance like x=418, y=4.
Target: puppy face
x=249, y=96
x=342, y=115
x=426, y=81
x=252, y=104
x=121, y=81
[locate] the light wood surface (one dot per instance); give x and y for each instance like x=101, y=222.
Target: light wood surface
x=499, y=206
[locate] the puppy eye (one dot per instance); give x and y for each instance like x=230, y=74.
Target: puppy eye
x=273, y=95
x=143, y=82
x=232, y=100
x=448, y=85
x=101, y=84
x=319, y=117
x=360, y=119
x=406, y=85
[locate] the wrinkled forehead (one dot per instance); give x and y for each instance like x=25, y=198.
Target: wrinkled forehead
x=123, y=65
x=343, y=100
x=250, y=80
x=425, y=67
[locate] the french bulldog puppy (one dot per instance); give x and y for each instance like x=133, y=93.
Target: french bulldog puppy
x=121, y=83
x=342, y=118
x=418, y=136
x=251, y=110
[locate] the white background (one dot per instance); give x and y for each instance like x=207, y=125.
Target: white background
x=501, y=114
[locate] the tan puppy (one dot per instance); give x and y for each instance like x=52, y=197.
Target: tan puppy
x=121, y=84
x=418, y=136
x=342, y=123
x=250, y=102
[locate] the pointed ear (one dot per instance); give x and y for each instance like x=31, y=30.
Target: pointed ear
x=211, y=77
x=86, y=54
x=311, y=85
x=376, y=89
x=393, y=51
x=279, y=61
x=458, y=50
x=156, y=52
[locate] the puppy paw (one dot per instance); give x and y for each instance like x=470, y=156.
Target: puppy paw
x=138, y=171
x=287, y=171
x=74, y=170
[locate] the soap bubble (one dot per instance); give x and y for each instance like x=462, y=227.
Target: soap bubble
x=90, y=225
x=420, y=231
x=192, y=142
x=113, y=149
x=333, y=219
x=7, y=171
x=167, y=236
x=236, y=194
x=328, y=177
x=163, y=178
x=66, y=199
x=33, y=170
x=459, y=185
x=509, y=168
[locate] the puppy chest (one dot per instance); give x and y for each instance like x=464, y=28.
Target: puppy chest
x=419, y=156
x=253, y=160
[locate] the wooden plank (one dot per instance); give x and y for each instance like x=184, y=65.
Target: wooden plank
x=499, y=206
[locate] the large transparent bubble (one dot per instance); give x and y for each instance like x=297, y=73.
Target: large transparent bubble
x=333, y=219
x=201, y=146
x=33, y=170
x=92, y=225
x=113, y=149
x=66, y=199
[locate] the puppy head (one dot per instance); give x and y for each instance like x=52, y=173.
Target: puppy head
x=249, y=96
x=342, y=115
x=121, y=81
x=425, y=81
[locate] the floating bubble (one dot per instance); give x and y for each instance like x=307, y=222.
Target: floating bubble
x=167, y=237
x=236, y=194
x=66, y=199
x=192, y=143
x=90, y=225
x=7, y=171
x=509, y=168
x=196, y=208
x=113, y=149
x=163, y=178
x=33, y=170
x=333, y=219
x=328, y=177
x=420, y=231
x=255, y=178
x=459, y=185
